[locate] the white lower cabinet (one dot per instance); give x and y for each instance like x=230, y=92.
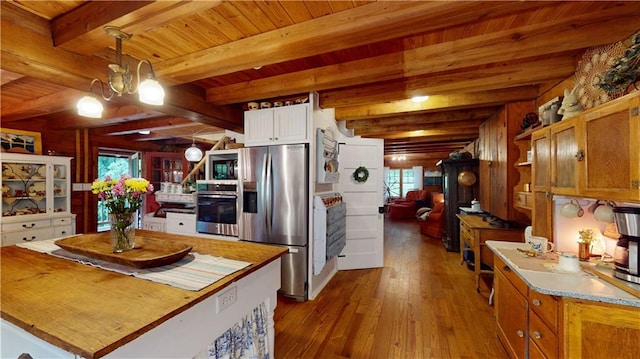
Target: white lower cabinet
x=181, y=223
x=37, y=229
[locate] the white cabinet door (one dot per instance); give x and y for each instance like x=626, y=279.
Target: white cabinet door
x=365, y=223
x=274, y=126
x=258, y=127
x=290, y=124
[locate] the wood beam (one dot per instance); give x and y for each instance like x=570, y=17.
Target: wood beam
x=338, y=31
x=438, y=102
x=433, y=136
x=424, y=119
x=60, y=101
x=81, y=30
x=506, y=74
x=570, y=33
x=162, y=122
x=449, y=127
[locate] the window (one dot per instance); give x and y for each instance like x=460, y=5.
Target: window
x=398, y=182
x=407, y=181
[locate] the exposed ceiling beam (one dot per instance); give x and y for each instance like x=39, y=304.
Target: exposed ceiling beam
x=345, y=29
x=424, y=119
x=486, y=78
x=81, y=30
x=518, y=43
x=448, y=127
x=438, y=102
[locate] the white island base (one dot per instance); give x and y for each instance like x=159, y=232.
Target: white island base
x=185, y=335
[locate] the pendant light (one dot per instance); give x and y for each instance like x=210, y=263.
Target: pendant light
x=193, y=153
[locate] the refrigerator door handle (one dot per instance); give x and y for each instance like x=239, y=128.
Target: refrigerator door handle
x=263, y=187
x=269, y=194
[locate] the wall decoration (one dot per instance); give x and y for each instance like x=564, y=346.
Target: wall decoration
x=18, y=141
x=625, y=70
x=361, y=174
x=590, y=73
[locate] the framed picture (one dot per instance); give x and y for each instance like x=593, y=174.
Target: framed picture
x=18, y=141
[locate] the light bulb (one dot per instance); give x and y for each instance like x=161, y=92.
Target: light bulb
x=89, y=106
x=193, y=153
x=151, y=92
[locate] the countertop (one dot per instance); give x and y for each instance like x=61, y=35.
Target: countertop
x=539, y=274
x=91, y=311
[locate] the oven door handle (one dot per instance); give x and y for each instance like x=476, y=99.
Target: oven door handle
x=227, y=196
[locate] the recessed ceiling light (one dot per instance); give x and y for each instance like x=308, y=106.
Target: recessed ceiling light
x=144, y=132
x=419, y=98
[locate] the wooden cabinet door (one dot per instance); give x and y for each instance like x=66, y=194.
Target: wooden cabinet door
x=541, y=161
x=511, y=316
x=541, y=212
x=600, y=330
x=565, y=158
x=610, y=142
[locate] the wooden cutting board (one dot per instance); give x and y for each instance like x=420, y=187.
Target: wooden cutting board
x=152, y=252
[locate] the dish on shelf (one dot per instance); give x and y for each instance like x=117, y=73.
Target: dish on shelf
x=42, y=172
x=37, y=189
x=58, y=172
x=6, y=191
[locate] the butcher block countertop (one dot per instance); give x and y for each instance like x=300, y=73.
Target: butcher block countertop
x=90, y=311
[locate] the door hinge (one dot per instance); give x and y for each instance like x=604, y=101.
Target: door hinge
x=635, y=184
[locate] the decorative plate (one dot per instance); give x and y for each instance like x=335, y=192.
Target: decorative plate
x=594, y=63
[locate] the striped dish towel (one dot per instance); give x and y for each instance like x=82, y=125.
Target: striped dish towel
x=193, y=272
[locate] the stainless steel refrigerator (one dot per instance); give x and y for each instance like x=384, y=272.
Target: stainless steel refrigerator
x=274, y=207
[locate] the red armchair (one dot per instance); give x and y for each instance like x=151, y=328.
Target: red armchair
x=405, y=208
x=433, y=225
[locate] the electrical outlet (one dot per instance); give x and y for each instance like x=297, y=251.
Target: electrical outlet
x=225, y=299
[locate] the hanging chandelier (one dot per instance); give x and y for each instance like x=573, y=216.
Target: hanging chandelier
x=121, y=82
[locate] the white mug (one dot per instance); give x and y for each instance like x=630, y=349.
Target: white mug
x=572, y=210
x=604, y=213
x=540, y=245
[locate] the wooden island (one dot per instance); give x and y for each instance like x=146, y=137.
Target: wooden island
x=66, y=308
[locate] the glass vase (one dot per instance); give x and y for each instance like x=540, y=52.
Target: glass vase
x=123, y=233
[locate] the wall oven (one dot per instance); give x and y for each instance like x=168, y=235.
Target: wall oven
x=217, y=208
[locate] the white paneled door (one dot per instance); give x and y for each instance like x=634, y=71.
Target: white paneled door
x=365, y=222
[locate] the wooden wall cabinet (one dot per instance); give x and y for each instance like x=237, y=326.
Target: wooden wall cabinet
x=595, y=154
x=610, y=140
x=498, y=156
x=280, y=125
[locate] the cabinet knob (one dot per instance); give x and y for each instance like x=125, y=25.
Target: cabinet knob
x=520, y=333
x=181, y=224
x=31, y=226
x=276, y=138
x=536, y=335
x=506, y=269
x=536, y=302
x=580, y=155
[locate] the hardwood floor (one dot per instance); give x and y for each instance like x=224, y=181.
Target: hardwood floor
x=422, y=304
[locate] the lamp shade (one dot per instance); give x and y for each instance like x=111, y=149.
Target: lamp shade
x=151, y=92
x=89, y=106
x=193, y=153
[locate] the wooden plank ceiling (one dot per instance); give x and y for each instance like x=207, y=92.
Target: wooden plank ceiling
x=363, y=58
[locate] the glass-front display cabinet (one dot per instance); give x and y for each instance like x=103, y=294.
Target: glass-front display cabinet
x=36, y=193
